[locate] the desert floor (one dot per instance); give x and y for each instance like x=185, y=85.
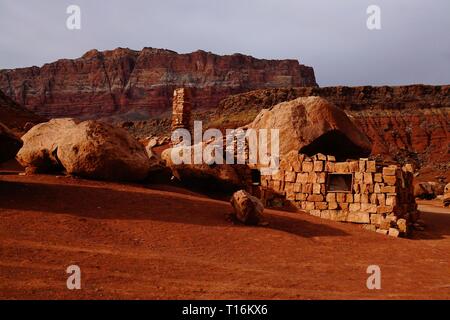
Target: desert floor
x=160, y=242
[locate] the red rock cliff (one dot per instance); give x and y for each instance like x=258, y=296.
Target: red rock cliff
x=404, y=123
x=103, y=83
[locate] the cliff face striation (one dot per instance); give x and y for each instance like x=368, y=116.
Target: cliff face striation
x=15, y=116
x=404, y=123
x=123, y=80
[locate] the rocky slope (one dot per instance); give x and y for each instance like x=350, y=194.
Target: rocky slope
x=123, y=80
x=405, y=123
x=15, y=116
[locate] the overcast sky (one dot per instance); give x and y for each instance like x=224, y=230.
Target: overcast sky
x=413, y=45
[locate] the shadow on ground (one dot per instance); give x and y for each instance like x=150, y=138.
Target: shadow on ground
x=131, y=202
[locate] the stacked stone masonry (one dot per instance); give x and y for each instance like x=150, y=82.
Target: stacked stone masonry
x=380, y=196
x=181, y=109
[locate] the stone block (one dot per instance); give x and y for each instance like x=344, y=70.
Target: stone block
x=358, y=217
x=297, y=166
x=349, y=198
x=307, y=187
x=343, y=205
x=289, y=187
x=322, y=205
x=375, y=219
x=368, y=179
x=391, y=201
x=309, y=205
x=384, y=209
x=315, y=197
x=329, y=166
x=331, y=197
x=353, y=166
x=402, y=225
x=317, y=188
x=354, y=207
x=301, y=196
x=368, y=207
x=357, y=197
x=290, y=176
x=371, y=166
x=377, y=188
x=341, y=167
x=302, y=177
x=381, y=199
x=390, y=180
x=318, y=166
x=393, y=232
x=333, y=205
x=388, y=189
x=321, y=177
x=389, y=171
x=340, y=197
x=364, y=198
x=362, y=165
x=378, y=177
x=382, y=231
x=307, y=166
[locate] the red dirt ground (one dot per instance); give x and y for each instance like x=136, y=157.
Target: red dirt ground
x=162, y=242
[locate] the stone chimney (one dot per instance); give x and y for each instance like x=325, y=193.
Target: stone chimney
x=181, y=109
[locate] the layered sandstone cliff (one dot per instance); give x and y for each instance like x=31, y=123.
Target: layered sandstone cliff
x=120, y=80
x=15, y=116
x=405, y=123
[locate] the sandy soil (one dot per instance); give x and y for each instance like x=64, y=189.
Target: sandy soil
x=161, y=242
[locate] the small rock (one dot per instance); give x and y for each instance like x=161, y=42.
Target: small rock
x=393, y=232
x=247, y=208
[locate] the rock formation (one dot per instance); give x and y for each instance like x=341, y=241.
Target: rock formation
x=15, y=116
x=88, y=149
x=181, y=109
x=405, y=124
x=428, y=190
x=120, y=80
x=313, y=125
x=217, y=176
x=9, y=143
x=446, y=198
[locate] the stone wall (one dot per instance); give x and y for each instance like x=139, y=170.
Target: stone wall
x=380, y=195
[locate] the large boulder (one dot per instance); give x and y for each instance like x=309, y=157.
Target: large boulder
x=9, y=143
x=89, y=149
x=228, y=177
x=428, y=190
x=312, y=125
x=247, y=208
x=41, y=143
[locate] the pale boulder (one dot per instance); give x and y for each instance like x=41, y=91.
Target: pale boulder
x=312, y=125
x=89, y=149
x=247, y=208
x=39, y=151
